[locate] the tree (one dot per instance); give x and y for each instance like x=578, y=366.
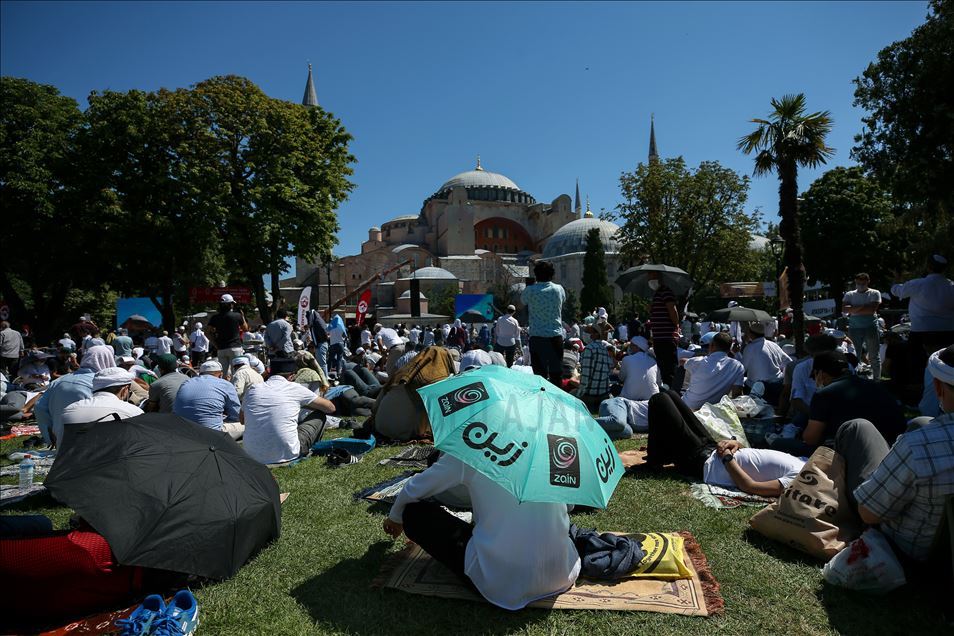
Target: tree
x=848, y=226
x=440, y=300
x=41, y=226
x=596, y=291
x=790, y=138
x=283, y=169
x=908, y=137
x=694, y=220
x=570, y=312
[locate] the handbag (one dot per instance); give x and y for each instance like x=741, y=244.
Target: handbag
x=813, y=514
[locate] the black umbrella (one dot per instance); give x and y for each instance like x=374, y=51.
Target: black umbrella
x=739, y=314
x=635, y=280
x=472, y=316
x=168, y=494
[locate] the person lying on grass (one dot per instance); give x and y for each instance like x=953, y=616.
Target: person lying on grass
x=756, y=471
x=514, y=554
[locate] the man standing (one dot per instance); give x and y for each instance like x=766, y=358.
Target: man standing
x=180, y=343
x=163, y=344
x=544, y=300
x=931, y=309
x=200, y=344
x=506, y=334
x=862, y=307
x=11, y=347
x=122, y=343
x=664, y=327
x=210, y=401
x=319, y=337
x=226, y=327
x=271, y=410
x=163, y=392
x=278, y=336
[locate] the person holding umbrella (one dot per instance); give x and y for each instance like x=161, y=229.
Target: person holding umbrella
x=664, y=326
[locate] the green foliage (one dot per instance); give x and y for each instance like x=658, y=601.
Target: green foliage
x=848, y=226
x=908, y=131
x=596, y=290
x=440, y=300
x=789, y=138
x=694, y=220
x=570, y=312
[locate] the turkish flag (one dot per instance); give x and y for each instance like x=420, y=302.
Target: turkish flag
x=363, y=304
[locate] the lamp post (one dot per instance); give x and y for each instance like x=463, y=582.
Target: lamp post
x=777, y=245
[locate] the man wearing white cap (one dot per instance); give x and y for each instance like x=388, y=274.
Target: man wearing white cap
x=243, y=375
x=906, y=493
x=110, y=389
x=507, y=334
x=210, y=401
x=710, y=377
x=639, y=372
x=764, y=362
x=180, y=343
x=389, y=341
x=931, y=307
x=226, y=329
x=200, y=344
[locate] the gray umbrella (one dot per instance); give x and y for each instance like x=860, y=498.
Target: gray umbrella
x=739, y=314
x=635, y=280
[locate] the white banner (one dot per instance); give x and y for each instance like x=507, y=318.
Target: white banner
x=820, y=308
x=304, y=304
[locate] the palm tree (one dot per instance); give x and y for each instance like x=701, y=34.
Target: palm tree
x=790, y=138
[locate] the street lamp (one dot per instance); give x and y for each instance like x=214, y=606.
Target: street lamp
x=777, y=244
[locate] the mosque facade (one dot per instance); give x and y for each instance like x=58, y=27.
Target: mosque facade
x=477, y=230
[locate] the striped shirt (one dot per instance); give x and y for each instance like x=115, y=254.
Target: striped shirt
x=907, y=491
x=660, y=323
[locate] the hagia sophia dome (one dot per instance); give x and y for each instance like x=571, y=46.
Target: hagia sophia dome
x=571, y=238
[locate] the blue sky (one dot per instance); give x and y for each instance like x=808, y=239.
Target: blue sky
x=545, y=92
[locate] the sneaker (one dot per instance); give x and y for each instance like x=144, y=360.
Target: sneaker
x=181, y=617
x=142, y=618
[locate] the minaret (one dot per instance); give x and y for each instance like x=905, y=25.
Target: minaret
x=311, y=97
x=653, y=153
x=577, y=207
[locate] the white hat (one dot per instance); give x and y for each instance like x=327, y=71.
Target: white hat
x=126, y=359
x=256, y=364
x=640, y=342
x=138, y=351
x=227, y=298
x=238, y=361
x=198, y=325
x=359, y=350
x=111, y=376
x=210, y=366
x=601, y=312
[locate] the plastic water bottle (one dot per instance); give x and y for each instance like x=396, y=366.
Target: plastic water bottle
x=26, y=472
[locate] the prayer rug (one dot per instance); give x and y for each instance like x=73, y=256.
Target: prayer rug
x=414, y=571
x=723, y=498
x=11, y=494
x=41, y=466
x=632, y=458
x=102, y=623
x=386, y=491
x=410, y=457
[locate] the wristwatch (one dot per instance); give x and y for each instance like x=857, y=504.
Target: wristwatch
x=728, y=457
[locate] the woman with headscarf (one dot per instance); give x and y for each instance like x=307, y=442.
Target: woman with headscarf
x=458, y=335
x=336, y=335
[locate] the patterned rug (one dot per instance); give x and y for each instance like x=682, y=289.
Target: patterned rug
x=410, y=457
x=724, y=498
x=386, y=491
x=412, y=570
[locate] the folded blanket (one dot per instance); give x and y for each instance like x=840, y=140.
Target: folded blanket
x=606, y=556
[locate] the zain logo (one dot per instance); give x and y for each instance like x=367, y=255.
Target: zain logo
x=476, y=436
x=564, y=461
x=462, y=398
x=606, y=463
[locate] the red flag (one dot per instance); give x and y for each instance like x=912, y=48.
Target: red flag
x=363, y=304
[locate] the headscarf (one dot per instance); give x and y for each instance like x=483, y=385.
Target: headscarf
x=458, y=324
x=98, y=357
x=337, y=322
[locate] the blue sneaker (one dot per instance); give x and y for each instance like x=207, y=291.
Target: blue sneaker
x=181, y=617
x=141, y=620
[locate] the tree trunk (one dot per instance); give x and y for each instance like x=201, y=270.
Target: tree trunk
x=790, y=231
x=277, y=301
x=258, y=286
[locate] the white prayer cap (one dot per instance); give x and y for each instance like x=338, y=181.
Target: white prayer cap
x=210, y=366
x=112, y=376
x=198, y=325
x=359, y=350
x=138, y=351
x=227, y=298
x=707, y=337
x=238, y=361
x=126, y=359
x=939, y=369
x=640, y=342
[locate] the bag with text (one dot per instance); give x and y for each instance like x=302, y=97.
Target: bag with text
x=813, y=514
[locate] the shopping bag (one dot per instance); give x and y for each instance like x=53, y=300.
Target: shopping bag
x=867, y=564
x=722, y=422
x=813, y=514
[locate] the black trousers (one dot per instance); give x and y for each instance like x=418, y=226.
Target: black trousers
x=362, y=380
x=508, y=353
x=665, y=350
x=439, y=533
x=676, y=436
x=546, y=357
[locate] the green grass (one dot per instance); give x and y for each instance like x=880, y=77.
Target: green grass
x=316, y=578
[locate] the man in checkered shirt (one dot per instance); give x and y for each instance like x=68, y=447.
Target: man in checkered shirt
x=906, y=493
x=596, y=364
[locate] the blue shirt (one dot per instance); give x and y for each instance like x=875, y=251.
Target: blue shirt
x=63, y=391
x=123, y=345
x=545, y=302
x=207, y=401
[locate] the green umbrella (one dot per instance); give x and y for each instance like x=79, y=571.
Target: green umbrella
x=534, y=439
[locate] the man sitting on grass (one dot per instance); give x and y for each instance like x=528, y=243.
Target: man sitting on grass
x=712, y=376
x=211, y=401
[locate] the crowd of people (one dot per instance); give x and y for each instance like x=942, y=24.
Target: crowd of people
x=276, y=386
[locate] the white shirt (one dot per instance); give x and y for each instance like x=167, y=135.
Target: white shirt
x=475, y=358
x=760, y=464
x=163, y=345
x=365, y=338
x=180, y=343
x=271, y=419
x=518, y=553
x=764, y=361
x=710, y=377
x=100, y=407
x=932, y=302
x=624, y=333
x=640, y=376
x=389, y=338
x=200, y=342
x=803, y=384
x=506, y=331
x=414, y=335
